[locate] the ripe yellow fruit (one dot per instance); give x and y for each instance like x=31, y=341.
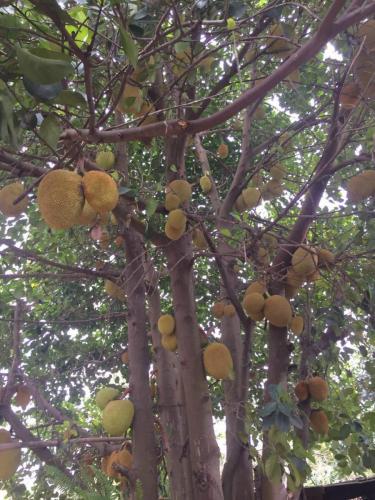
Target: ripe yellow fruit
x=100, y=191
x=240, y=204
x=88, y=216
x=105, y=159
x=223, y=150
x=60, y=198
x=325, y=258
x=172, y=233
x=9, y=459
x=217, y=361
x=10, y=193
x=296, y=325
x=301, y=390
x=256, y=287
x=319, y=422
x=205, y=183
x=278, y=311
x=118, y=416
x=166, y=324
x=181, y=188
x=23, y=396
x=253, y=303
x=105, y=395
x=304, y=260
x=177, y=219
x=361, y=186
x=114, y=290
x=218, y=309
x=169, y=342
x=251, y=197
x=277, y=172
x=318, y=388
x=229, y=310
x=120, y=457
x=199, y=240
x=172, y=201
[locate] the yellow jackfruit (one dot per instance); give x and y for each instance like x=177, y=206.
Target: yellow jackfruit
x=172, y=201
x=218, y=309
x=304, y=260
x=278, y=311
x=114, y=290
x=173, y=233
x=318, y=388
x=166, y=324
x=319, y=422
x=361, y=186
x=9, y=459
x=118, y=416
x=177, y=219
x=100, y=191
x=325, y=258
x=181, y=188
x=229, y=310
x=217, y=361
x=296, y=325
x=205, y=183
x=253, y=303
x=88, y=216
x=301, y=390
x=105, y=159
x=251, y=197
x=8, y=194
x=60, y=198
x=256, y=287
x=199, y=240
x=223, y=151
x=169, y=342
x=105, y=395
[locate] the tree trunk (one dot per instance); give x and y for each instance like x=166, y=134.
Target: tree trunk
x=144, y=446
x=170, y=402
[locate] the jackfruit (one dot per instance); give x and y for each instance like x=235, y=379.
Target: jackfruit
x=251, y=197
x=88, y=216
x=177, y=219
x=60, y=198
x=325, y=258
x=199, y=240
x=367, y=30
x=131, y=100
x=278, y=311
x=181, y=188
x=217, y=361
x=257, y=316
x=8, y=194
x=172, y=233
x=274, y=187
x=105, y=159
x=293, y=279
x=256, y=287
x=218, y=309
x=229, y=310
x=205, y=183
x=100, y=191
x=120, y=457
x=319, y=421
x=296, y=325
x=279, y=45
x=172, y=201
x=318, y=388
x=314, y=276
x=277, y=172
x=114, y=291
x=105, y=395
x=23, y=396
x=166, y=324
x=169, y=342
x=240, y=204
x=361, y=186
x=350, y=96
x=301, y=390
x=9, y=459
x=118, y=416
x=223, y=151
x=263, y=256
x=253, y=303
x=125, y=357
x=304, y=260
x=290, y=291
x=270, y=241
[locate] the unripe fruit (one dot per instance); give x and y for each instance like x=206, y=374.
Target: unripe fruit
x=304, y=260
x=278, y=311
x=218, y=309
x=319, y=422
x=166, y=324
x=100, y=191
x=256, y=287
x=361, y=186
x=218, y=361
x=172, y=201
x=325, y=258
x=223, y=151
x=301, y=390
x=205, y=183
x=296, y=325
x=105, y=395
x=118, y=416
x=253, y=303
x=8, y=194
x=105, y=159
x=229, y=310
x=177, y=219
x=199, y=240
x=251, y=197
x=318, y=388
x=169, y=342
x=181, y=188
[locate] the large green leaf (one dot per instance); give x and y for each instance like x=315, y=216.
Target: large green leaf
x=43, y=66
x=50, y=131
x=70, y=98
x=129, y=46
x=10, y=26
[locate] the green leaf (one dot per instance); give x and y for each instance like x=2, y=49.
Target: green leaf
x=50, y=131
x=151, y=206
x=70, y=98
x=273, y=469
x=43, y=66
x=129, y=46
x=10, y=26
x=226, y=232
x=268, y=409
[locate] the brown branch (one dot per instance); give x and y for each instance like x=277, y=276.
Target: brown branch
x=56, y=443
x=16, y=348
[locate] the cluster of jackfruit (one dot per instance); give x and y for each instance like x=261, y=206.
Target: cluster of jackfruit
x=121, y=457
x=315, y=388
x=167, y=329
x=221, y=309
x=117, y=414
x=178, y=192
x=361, y=186
x=10, y=459
x=66, y=199
x=114, y=290
x=218, y=362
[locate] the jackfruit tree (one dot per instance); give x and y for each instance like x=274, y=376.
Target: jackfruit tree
x=187, y=245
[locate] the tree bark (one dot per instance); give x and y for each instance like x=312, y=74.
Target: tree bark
x=144, y=446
